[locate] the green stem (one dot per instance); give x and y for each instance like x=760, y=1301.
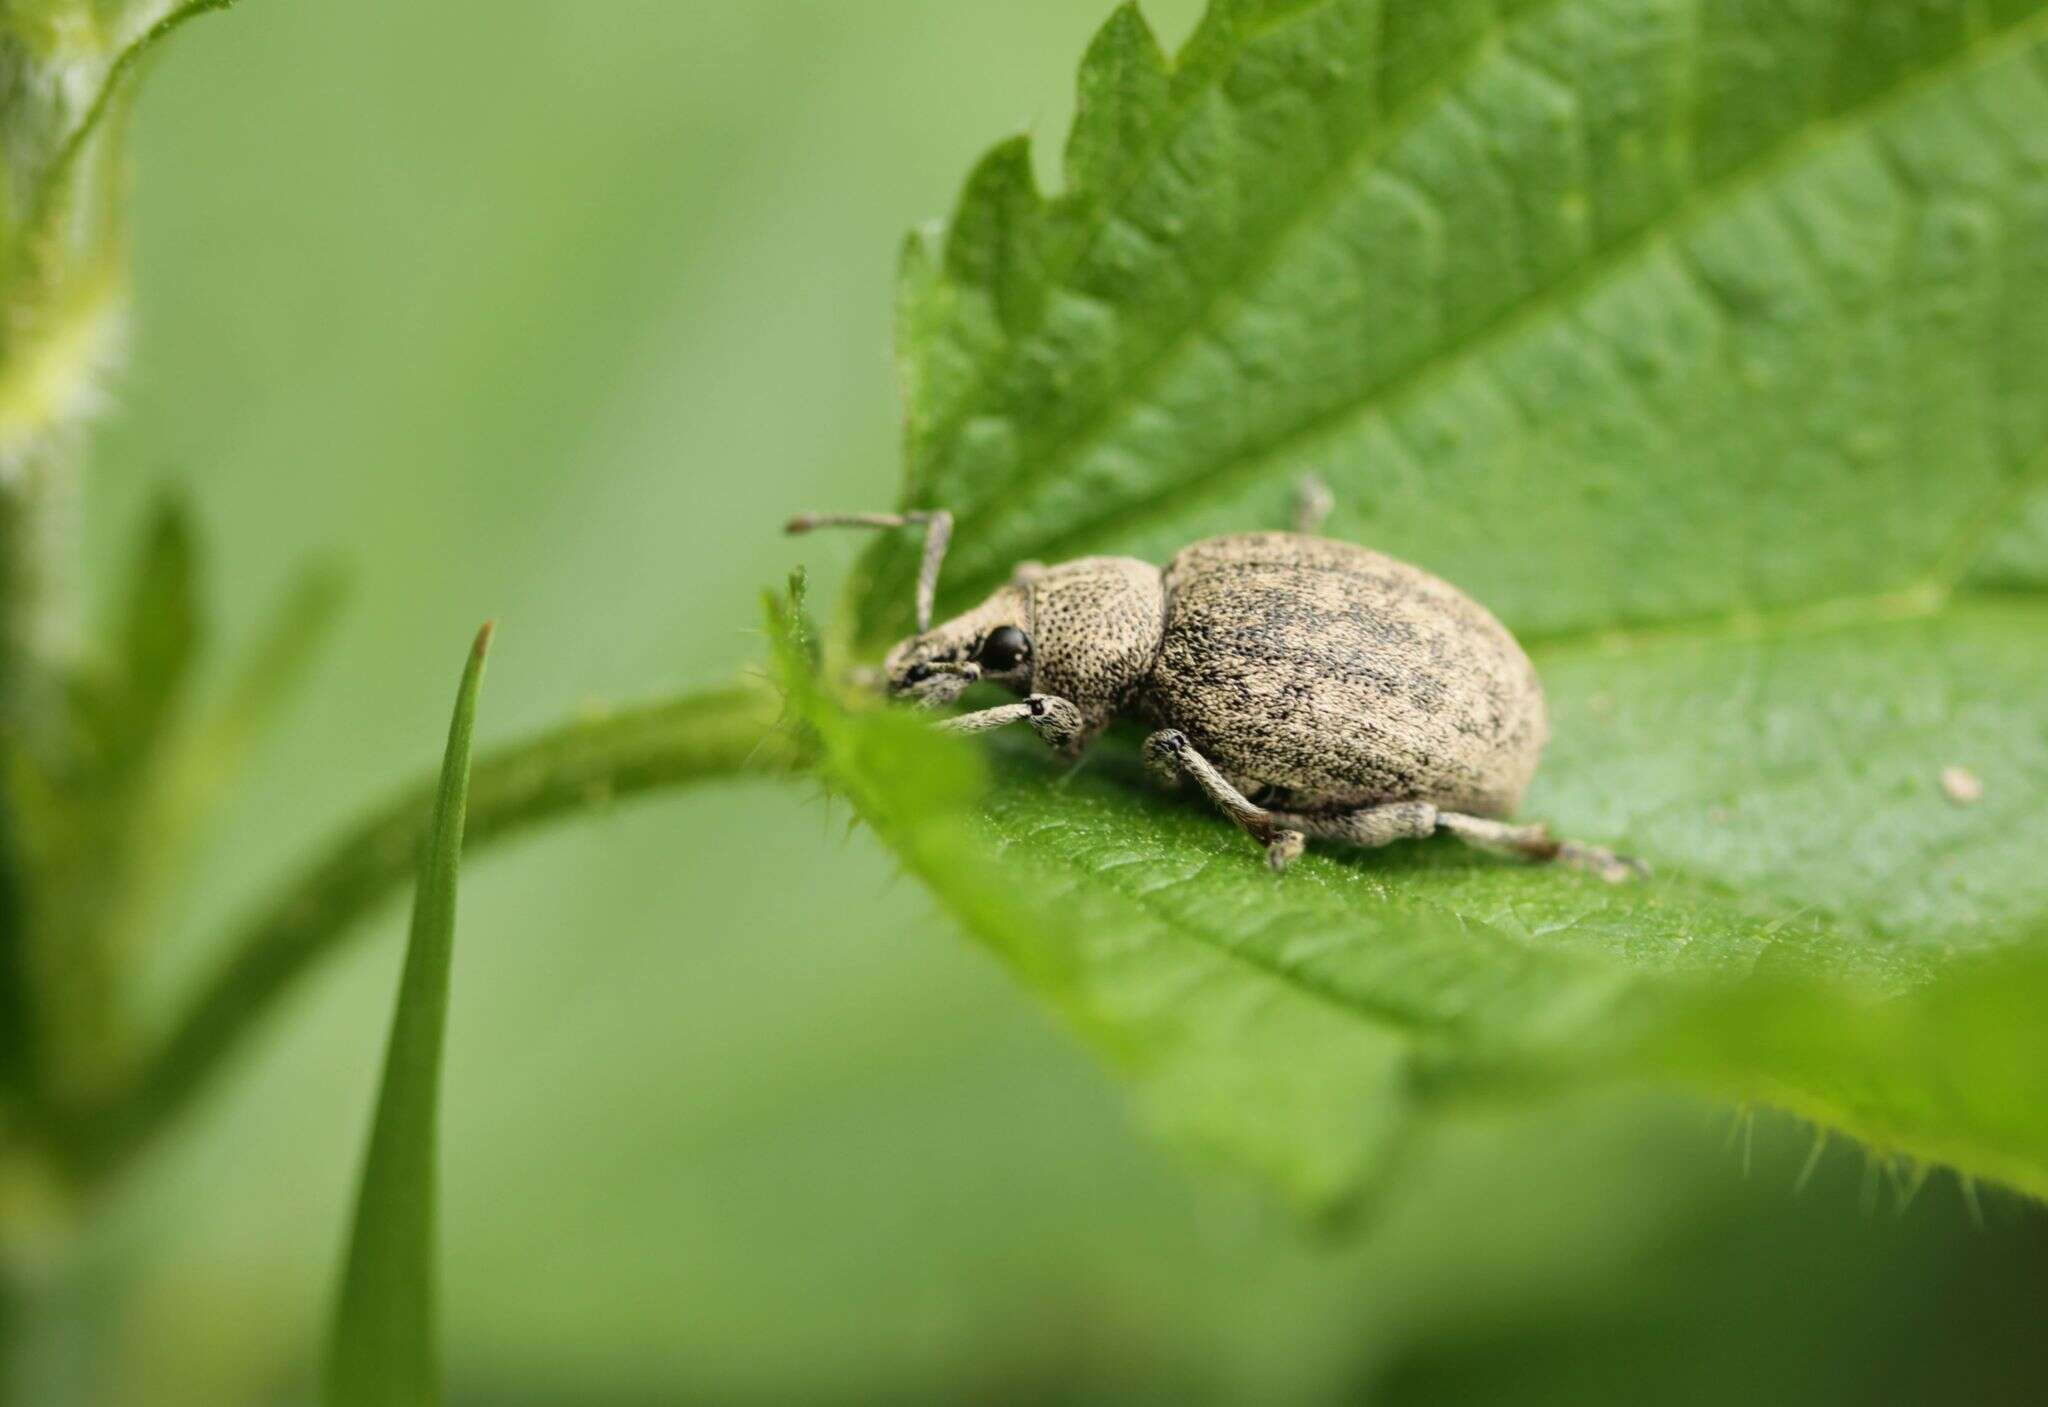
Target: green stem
x=11, y=1338
x=63, y=276
x=572, y=768
x=38, y=597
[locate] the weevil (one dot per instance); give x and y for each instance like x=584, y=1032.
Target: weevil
x=1308, y=686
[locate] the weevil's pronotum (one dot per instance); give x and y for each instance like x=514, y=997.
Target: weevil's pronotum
x=1310, y=687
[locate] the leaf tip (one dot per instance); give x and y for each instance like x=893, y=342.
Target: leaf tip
x=1124, y=37
x=995, y=221
x=919, y=255
x=1121, y=94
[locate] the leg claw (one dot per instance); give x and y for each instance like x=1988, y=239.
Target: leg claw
x=1615, y=869
x=1057, y=721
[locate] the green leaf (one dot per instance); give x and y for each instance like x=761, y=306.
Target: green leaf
x=125, y=711
x=1706, y=343
x=1954, y=1071
x=275, y=664
x=384, y=1349
x=197, y=761
x=81, y=809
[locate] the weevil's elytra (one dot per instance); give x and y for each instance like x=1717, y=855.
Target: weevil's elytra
x=1344, y=677
x=1361, y=699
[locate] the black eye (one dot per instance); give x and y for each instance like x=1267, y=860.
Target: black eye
x=1005, y=649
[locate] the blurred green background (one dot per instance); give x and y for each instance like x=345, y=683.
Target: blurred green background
x=551, y=313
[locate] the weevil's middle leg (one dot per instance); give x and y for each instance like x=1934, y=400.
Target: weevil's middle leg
x=1169, y=748
x=1312, y=504
x=1057, y=721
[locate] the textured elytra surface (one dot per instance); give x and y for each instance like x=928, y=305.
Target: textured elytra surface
x=1344, y=677
x=1702, y=340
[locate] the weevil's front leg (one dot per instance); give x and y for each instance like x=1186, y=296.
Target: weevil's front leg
x=1169, y=749
x=1056, y=720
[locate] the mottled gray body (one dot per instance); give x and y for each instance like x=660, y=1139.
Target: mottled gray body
x=1308, y=686
x=1343, y=677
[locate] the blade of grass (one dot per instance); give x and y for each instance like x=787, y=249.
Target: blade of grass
x=384, y=1349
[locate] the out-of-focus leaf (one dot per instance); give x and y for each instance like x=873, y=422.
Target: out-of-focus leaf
x=275, y=663
x=154, y=643
x=1953, y=1071
x=384, y=1350
x=81, y=805
x=199, y=759
x=1704, y=343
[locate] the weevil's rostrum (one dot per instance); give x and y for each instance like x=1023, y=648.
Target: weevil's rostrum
x=1310, y=687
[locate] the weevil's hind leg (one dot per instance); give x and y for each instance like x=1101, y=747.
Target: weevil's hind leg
x=1170, y=750
x=1057, y=721
x=1312, y=504
x=1369, y=827
x=1374, y=826
x=1283, y=833
x=1536, y=843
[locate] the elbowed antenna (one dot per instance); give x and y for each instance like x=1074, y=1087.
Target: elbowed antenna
x=938, y=531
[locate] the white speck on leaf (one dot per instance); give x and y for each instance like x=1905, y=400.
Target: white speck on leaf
x=1962, y=785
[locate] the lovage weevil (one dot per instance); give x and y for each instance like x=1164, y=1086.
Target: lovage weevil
x=1310, y=687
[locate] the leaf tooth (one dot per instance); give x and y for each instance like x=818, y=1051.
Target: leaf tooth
x=918, y=262
x=1222, y=32
x=995, y=243
x=161, y=631
x=919, y=315
x=1120, y=98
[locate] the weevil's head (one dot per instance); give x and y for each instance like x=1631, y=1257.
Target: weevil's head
x=991, y=642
